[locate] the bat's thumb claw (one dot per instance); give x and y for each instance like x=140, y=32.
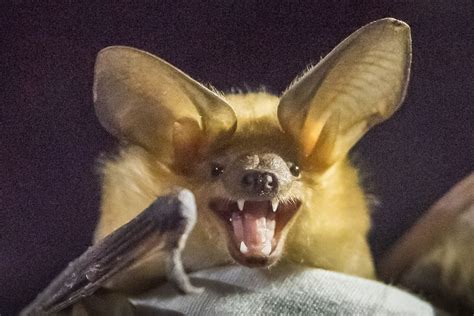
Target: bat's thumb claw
x=183, y=284
x=177, y=275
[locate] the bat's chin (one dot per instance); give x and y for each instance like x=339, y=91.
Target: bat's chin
x=255, y=228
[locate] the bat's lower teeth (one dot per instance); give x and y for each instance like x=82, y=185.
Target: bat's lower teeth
x=267, y=248
x=243, y=248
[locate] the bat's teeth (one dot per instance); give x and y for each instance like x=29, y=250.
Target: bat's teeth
x=243, y=247
x=274, y=205
x=267, y=248
x=240, y=204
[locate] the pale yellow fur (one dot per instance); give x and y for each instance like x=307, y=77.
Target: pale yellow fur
x=329, y=230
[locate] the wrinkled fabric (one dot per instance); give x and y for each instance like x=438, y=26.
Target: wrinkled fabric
x=236, y=290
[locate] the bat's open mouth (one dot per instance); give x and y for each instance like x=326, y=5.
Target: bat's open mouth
x=254, y=228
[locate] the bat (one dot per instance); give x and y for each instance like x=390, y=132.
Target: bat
x=270, y=175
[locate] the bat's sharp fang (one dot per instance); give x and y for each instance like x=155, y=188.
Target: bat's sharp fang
x=243, y=247
x=240, y=204
x=274, y=205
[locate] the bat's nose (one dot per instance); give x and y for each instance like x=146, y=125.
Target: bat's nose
x=261, y=183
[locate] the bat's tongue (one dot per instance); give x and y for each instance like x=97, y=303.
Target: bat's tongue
x=254, y=228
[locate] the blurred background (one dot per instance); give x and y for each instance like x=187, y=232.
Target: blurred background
x=50, y=138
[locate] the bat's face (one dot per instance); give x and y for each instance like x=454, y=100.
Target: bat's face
x=254, y=195
x=252, y=184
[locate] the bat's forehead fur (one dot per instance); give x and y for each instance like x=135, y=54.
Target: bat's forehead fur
x=254, y=106
x=258, y=127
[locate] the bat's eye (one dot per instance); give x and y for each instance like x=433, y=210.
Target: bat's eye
x=295, y=170
x=216, y=170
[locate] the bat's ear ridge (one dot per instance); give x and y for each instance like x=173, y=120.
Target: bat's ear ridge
x=362, y=82
x=139, y=97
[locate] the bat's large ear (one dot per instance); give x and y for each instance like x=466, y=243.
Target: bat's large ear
x=142, y=99
x=360, y=83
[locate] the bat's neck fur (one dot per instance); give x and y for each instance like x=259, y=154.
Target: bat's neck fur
x=328, y=232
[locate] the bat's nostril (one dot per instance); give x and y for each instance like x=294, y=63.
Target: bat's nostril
x=259, y=182
x=268, y=181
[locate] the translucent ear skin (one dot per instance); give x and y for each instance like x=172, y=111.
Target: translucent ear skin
x=363, y=81
x=139, y=97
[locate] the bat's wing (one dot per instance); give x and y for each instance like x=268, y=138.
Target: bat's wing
x=165, y=224
x=435, y=256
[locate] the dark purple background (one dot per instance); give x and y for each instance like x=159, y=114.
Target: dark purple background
x=50, y=137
